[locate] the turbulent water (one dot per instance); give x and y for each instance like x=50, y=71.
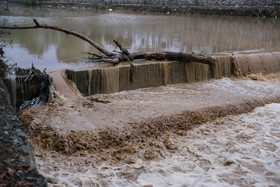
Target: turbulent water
x=238, y=150
x=148, y=137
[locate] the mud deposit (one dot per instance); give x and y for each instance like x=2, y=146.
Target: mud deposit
x=177, y=135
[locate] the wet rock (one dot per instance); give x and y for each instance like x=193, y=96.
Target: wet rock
x=17, y=164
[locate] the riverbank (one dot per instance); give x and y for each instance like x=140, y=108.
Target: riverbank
x=231, y=8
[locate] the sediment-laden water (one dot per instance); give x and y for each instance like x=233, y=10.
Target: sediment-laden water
x=238, y=150
x=136, y=31
x=180, y=135
x=175, y=135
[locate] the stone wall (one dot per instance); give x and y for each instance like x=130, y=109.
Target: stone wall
x=205, y=3
x=256, y=8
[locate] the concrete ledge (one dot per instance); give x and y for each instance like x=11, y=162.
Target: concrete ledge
x=158, y=73
x=147, y=74
x=261, y=8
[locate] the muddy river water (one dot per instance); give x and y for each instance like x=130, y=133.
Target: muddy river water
x=213, y=133
x=81, y=143
x=136, y=31
x=233, y=151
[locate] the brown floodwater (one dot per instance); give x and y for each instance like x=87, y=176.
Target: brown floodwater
x=136, y=31
x=76, y=143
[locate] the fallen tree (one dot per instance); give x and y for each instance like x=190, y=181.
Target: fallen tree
x=123, y=55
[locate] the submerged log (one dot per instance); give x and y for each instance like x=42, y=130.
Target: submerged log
x=123, y=55
x=192, y=57
x=178, y=56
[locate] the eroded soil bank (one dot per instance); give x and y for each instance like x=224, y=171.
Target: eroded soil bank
x=113, y=142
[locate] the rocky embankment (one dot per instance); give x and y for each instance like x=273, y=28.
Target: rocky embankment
x=17, y=164
x=260, y=8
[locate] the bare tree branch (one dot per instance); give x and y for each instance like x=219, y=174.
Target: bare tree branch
x=37, y=25
x=124, y=55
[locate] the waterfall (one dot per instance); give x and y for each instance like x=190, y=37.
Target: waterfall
x=89, y=81
x=265, y=63
x=110, y=80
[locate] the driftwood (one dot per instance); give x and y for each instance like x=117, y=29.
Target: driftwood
x=123, y=55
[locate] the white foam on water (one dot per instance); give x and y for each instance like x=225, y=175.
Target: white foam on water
x=238, y=150
x=235, y=151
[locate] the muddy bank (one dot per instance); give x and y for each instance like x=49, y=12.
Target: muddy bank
x=17, y=165
x=236, y=8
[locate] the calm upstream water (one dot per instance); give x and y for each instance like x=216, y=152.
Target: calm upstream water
x=136, y=31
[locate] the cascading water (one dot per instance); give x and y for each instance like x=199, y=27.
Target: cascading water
x=89, y=81
x=257, y=63
x=107, y=80
x=110, y=80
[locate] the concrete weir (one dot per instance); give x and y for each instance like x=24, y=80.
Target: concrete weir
x=143, y=74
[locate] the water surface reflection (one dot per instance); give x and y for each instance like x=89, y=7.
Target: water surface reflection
x=137, y=32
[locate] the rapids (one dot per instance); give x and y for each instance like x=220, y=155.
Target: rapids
x=176, y=135
x=238, y=150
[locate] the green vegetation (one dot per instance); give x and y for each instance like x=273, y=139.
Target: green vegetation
x=98, y=100
x=5, y=9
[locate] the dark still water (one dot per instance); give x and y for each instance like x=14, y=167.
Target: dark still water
x=136, y=31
